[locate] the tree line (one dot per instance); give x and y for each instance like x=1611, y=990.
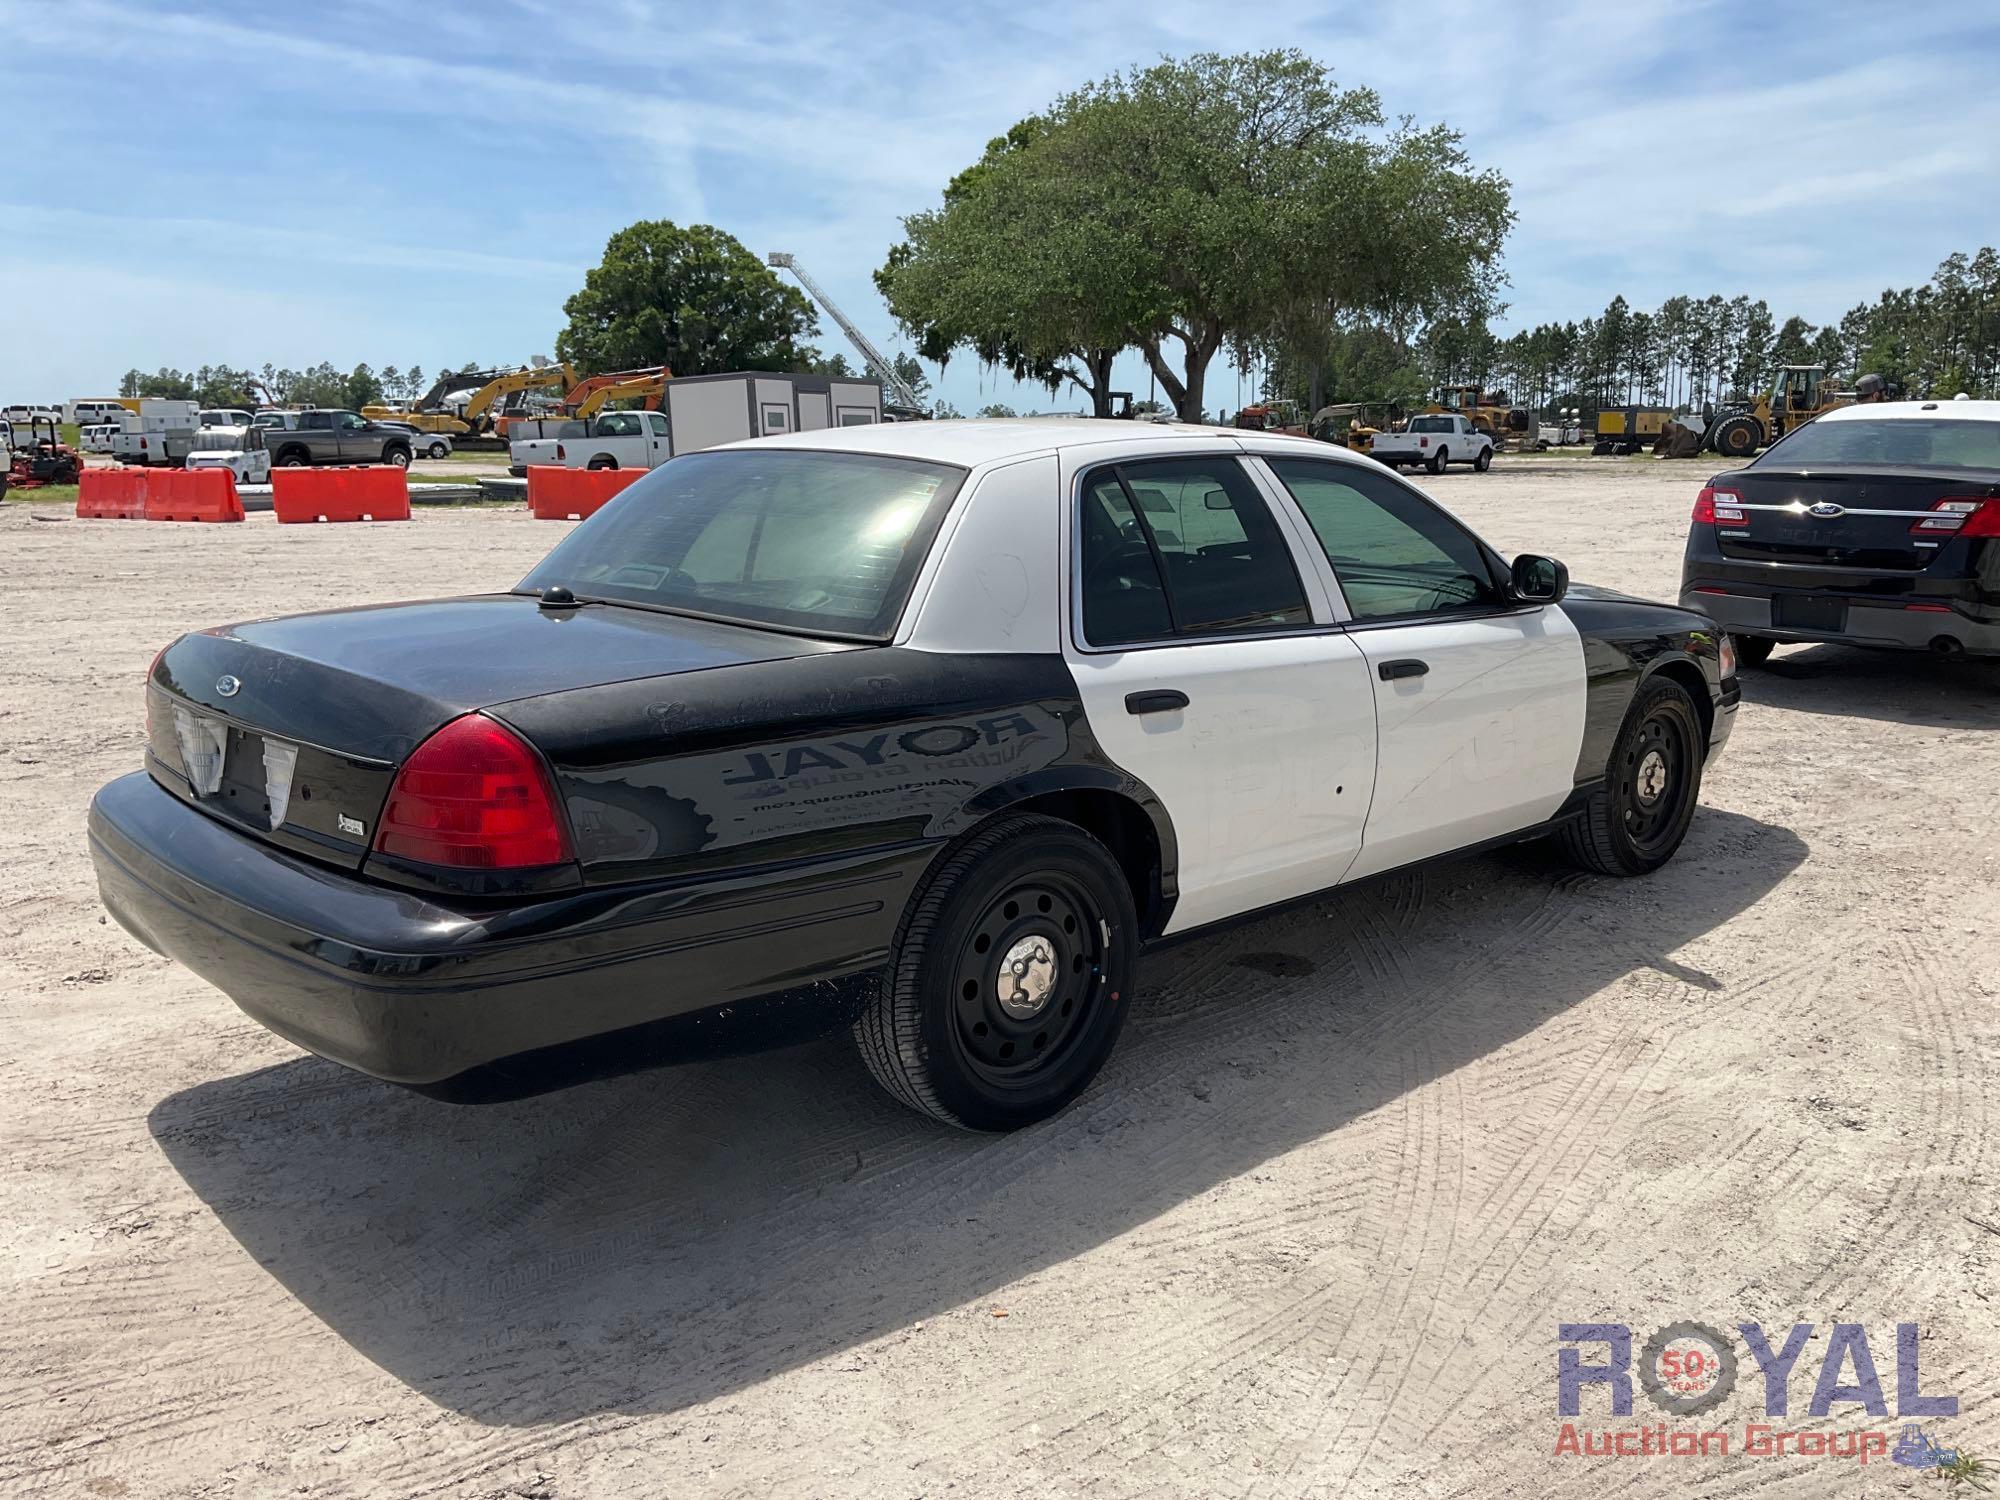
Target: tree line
x=318, y=385
x=1689, y=353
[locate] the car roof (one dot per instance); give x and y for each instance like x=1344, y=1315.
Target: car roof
x=1967, y=411
x=970, y=442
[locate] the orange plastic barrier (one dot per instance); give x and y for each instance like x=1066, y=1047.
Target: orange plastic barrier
x=111, y=494
x=370, y=492
x=191, y=495
x=559, y=494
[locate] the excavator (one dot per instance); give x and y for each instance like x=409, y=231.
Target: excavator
x=584, y=390
x=649, y=389
x=557, y=377
x=431, y=413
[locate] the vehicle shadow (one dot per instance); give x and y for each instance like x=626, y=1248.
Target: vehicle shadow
x=657, y=1240
x=1902, y=687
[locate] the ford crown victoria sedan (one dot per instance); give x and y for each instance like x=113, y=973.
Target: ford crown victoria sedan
x=924, y=730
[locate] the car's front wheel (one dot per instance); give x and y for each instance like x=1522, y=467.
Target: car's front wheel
x=1484, y=461
x=1010, y=979
x=1637, y=818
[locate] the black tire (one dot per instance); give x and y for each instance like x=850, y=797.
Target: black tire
x=1438, y=460
x=1484, y=461
x=1739, y=437
x=1635, y=821
x=602, y=462
x=939, y=1035
x=438, y=450
x=292, y=458
x=1752, y=650
x=397, y=455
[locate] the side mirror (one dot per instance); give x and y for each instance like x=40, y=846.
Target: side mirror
x=1538, y=580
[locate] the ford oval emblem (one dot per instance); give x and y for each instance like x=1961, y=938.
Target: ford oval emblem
x=227, y=686
x=1826, y=510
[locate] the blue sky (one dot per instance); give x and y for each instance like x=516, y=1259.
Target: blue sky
x=426, y=182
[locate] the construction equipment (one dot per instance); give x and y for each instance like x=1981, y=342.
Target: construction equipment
x=583, y=390
x=1489, y=411
x=647, y=388
x=434, y=410
x=1627, y=429
x=43, y=459
x=903, y=403
x=1353, y=424
x=502, y=388
x=1798, y=393
x=1273, y=416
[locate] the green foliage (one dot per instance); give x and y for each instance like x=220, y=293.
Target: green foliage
x=997, y=409
x=912, y=373
x=1243, y=199
x=825, y=364
x=1933, y=340
x=692, y=299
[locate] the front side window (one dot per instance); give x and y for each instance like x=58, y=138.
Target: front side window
x=819, y=543
x=1182, y=547
x=1394, y=552
x=657, y=422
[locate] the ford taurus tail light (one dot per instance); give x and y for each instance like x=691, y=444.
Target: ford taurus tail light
x=474, y=796
x=1960, y=516
x=1713, y=507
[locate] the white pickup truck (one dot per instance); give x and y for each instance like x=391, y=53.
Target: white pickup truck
x=1434, y=440
x=614, y=440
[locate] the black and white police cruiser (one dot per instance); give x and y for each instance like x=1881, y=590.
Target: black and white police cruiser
x=925, y=730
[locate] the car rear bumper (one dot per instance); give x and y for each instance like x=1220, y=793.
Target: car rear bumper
x=476, y=1000
x=1895, y=624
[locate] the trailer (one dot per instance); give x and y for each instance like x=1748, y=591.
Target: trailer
x=696, y=412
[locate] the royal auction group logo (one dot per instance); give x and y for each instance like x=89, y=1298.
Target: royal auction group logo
x=1686, y=1369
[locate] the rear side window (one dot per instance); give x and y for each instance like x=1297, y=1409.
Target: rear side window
x=820, y=543
x=1182, y=547
x=1394, y=552
x=1951, y=443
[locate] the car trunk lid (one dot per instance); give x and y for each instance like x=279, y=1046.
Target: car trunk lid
x=1851, y=518
x=293, y=729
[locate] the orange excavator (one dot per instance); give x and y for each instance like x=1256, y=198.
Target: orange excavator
x=578, y=394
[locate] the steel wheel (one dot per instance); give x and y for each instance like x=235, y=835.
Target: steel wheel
x=1010, y=979
x=1635, y=819
x=1654, y=780
x=1026, y=979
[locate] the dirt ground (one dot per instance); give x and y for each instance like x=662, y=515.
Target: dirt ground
x=1312, y=1234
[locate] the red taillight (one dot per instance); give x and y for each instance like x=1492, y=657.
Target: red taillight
x=473, y=796
x=1423, y=442
x=559, y=453
x=1960, y=515
x=1714, y=507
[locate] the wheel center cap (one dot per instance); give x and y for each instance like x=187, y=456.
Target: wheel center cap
x=1652, y=776
x=1026, y=976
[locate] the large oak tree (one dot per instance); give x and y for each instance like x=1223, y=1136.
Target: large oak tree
x=692, y=299
x=1188, y=205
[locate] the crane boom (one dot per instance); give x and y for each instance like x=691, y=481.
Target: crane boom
x=898, y=388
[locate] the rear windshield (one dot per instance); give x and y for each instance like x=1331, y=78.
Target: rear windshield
x=819, y=543
x=1430, y=424
x=1916, y=441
